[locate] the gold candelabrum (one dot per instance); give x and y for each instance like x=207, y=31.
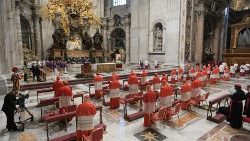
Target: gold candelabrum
x=64, y=12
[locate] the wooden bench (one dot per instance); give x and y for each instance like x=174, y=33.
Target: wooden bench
x=72, y=136
x=43, y=91
x=54, y=100
x=218, y=117
x=93, y=85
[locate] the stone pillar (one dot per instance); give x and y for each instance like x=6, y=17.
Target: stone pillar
x=19, y=36
x=217, y=41
x=38, y=44
x=127, y=28
x=199, y=34
x=105, y=38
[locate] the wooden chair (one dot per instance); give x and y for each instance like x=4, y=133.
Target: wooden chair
x=175, y=111
x=204, y=98
x=96, y=135
x=161, y=115
x=194, y=101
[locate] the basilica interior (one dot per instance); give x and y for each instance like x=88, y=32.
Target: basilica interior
x=77, y=40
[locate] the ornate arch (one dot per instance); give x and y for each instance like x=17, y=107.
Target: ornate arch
x=158, y=37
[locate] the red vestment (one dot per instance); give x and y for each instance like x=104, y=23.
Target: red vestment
x=85, y=113
x=114, y=95
x=196, y=87
x=133, y=84
x=164, y=77
x=149, y=100
x=173, y=76
x=98, y=86
x=156, y=83
x=56, y=86
x=143, y=77
x=166, y=96
x=180, y=73
x=65, y=95
x=185, y=95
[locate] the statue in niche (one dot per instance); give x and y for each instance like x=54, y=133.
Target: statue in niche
x=97, y=40
x=87, y=41
x=158, y=38
x=59, y=39
x=117, y=20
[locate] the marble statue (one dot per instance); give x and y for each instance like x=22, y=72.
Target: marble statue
x=59, y=39
x=87, y=41
x=117, y=20
x=97, y=40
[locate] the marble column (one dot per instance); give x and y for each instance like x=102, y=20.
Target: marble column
x=216, y=43
x=199, y=35
x=127, y=32
x=105, y=38
x=38, y=44
x=19, y=36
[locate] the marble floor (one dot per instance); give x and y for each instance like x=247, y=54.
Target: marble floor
x=192, y=126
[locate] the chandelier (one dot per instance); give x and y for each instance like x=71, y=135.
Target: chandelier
x=63, y=11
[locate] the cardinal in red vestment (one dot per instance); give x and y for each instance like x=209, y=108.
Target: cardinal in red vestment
x=57, y=85
x=191, y=73
x=164, y=78
x=156, y=82
x=180, y=73
x=215, y=76
x=85, y=113
x=133, y=84
x=166, y=95
x=65, y=97
x=98, y=86
x=173, y=76
x=196, y=87
x=114, y=95
x=185, y=95
x=149, y=100
x=144, y=75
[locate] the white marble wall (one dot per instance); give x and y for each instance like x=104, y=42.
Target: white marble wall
x=144, y=14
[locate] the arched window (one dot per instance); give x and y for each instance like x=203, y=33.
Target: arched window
x=157, y=37
x=119, y=2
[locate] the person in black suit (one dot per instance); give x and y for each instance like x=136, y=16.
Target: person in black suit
x=9, y=107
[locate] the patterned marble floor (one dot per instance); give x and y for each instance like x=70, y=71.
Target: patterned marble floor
x=193, y=124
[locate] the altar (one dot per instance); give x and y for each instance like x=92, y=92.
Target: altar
x=105, y=67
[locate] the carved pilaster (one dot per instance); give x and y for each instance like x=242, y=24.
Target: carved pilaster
x=127, y=31
x=19, y=34
x=38, y=43
x=199, y=33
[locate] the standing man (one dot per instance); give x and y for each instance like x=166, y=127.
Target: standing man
x=65, y=97
x=149, y=100
x=236, y=107
x=164, y=78
x=173, y=76
x=85, y=113
x=57, y=85
x=98, y=86
x=9, y=107
x=15, y=80
x=180, y=73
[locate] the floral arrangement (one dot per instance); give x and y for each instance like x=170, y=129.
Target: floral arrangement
x=28, y=55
